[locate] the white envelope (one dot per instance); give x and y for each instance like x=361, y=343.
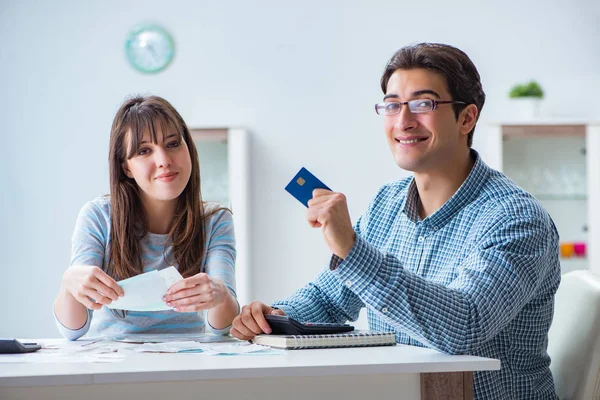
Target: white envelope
x=144, y=292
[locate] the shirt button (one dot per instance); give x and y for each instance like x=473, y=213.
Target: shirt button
x=348, y=283
x=435, y=228
x=384, y=310
x=421, y=238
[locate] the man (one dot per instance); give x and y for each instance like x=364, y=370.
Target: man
x=457, y=258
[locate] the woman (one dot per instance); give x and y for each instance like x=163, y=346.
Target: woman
x=153, y=218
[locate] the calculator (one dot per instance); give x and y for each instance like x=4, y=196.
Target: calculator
x=284, y=325
x=12, y=346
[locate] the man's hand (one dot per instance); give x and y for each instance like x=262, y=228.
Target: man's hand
x=328, y=210
x=251, y=321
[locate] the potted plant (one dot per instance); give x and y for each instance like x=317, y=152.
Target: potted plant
x=527, y=98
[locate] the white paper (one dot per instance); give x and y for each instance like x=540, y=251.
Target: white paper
x=144, y=292
x=208, y=349
x=105, y=350
x=239, y=349
x=61, y=351
x=172, y=337
x=60, y=358
x=171, y=347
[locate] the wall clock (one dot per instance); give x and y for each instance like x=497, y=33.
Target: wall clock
x=149, y=48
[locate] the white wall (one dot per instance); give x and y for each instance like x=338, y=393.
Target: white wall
x=302, y=76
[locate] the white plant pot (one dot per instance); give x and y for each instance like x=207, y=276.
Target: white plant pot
x=526, y=108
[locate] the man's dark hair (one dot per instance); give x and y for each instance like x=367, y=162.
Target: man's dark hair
x=461, y=75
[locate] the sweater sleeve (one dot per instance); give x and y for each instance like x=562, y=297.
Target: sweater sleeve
x=220, y=256
x=87, y=248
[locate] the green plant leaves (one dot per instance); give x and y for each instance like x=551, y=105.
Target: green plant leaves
x=531, y=89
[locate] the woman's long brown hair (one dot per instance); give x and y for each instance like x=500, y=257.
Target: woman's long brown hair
x=128, y=219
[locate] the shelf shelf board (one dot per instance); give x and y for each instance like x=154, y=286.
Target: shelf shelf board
x=514, y=131
x=209, y=134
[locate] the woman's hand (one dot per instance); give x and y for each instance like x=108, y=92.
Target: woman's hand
x=198, y=292
x=87, y=282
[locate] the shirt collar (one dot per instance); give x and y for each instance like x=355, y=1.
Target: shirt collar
x=469, y=189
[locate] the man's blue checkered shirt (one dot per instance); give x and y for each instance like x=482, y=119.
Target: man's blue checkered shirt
x=476, y=277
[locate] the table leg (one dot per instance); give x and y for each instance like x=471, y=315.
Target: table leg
x=447, y=386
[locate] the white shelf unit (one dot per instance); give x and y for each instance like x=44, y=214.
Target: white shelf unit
x=558, y=162
x=224, y=155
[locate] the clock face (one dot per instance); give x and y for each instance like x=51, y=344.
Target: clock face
x=149, y=48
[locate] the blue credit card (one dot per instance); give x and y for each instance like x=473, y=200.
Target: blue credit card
x=303, y=184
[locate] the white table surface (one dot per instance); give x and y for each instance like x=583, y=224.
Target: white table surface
x=153, y=367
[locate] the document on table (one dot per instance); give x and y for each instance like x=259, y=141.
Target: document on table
x=144, y=292
x=62, y=351
x=105, y=350
x=210, y=349
x=52, y=358
x=171, y=337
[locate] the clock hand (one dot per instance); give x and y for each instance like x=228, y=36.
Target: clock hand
x=154, y=55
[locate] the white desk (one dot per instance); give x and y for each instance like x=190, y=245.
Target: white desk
x=400, y=372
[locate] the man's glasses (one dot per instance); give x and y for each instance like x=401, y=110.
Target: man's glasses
x=416, y=106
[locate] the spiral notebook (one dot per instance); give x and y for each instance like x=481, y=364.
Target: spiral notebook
x=350, y=339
